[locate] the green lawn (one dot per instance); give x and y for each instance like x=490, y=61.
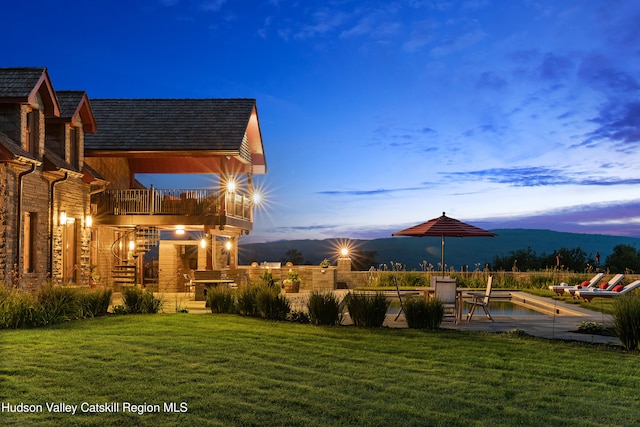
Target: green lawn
x=231, y=370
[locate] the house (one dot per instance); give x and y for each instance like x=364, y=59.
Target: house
x=42, y=179
x=72, y=209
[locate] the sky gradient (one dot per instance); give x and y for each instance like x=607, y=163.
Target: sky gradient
x=378, y=115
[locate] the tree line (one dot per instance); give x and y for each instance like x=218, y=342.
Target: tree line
x=623, y=259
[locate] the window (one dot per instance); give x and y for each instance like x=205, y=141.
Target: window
x=30, y=233
x=33, y=132
x=69, y=251
x=74, y=155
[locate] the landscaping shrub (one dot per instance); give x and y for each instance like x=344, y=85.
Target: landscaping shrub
x=49, y=305
x=367, y=310
x=324, y=308
x=626, y=320
x=17, y=309
x=137, y=301
x=95, y=303
x=270, y=304
x=57, y=304
x=247, y=304
x=423, y=314
x=221, y=300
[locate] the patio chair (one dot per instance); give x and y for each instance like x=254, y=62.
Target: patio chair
x=588, y=295
x=607, y=286
x=559, y=289
x=480, y=300
x=446, y=291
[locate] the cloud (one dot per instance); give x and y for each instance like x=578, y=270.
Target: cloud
x=619, y=124
x=555, y=67
x=374, y=192
x=596, y=71
x=490, y=80
x=536, y=177
x=461, y=38
x=421, y=35
x=212, y=5
x=615, y=218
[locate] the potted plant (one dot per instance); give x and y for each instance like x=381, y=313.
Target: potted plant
x=325, y=263
x=292, y=282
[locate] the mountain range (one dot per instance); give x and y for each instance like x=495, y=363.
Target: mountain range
x=469, y=252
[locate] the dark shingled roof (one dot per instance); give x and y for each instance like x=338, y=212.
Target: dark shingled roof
x=19, y=82
x=169, y=124
x=53, y=162
x=10, y=151
x=69, y=100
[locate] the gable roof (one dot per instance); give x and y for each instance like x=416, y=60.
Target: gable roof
x=54, y=163
x=21, y=85
x=75, y=104
x=198, y=131
x=12, y=152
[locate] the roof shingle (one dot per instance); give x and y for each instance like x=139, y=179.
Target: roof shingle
x=169, y=124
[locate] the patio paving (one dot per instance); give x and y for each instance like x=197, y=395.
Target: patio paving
x=560, y=327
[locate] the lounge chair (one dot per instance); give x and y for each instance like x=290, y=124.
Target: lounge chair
x=481, y=300
x=606, y=286
x=559, y=289
x=590, y=294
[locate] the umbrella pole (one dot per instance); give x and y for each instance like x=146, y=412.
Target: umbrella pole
x=442, y=255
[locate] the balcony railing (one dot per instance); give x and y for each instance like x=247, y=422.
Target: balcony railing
x=173, y=202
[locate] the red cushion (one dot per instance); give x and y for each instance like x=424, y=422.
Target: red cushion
x=617, y=288
x=604, y=285
x=585, y=283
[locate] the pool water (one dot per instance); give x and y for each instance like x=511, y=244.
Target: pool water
x=496, y=307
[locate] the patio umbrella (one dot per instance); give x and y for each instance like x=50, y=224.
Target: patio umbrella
x=444, y=226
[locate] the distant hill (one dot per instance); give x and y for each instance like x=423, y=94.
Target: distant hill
x=459, y=252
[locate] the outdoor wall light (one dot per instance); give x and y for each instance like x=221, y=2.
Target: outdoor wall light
x=132, y=245
x=63, y=217
x=344, y=252
x=227, y=245
x=88, y=221
x=231, y=186
x=180, y=229
x=203, y=243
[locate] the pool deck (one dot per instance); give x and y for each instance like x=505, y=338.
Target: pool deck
x=561, y=326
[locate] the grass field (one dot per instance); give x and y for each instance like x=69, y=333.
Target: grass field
x=229, y=370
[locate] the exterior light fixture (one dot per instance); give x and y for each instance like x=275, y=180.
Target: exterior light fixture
x=203, y=243
x=132, y=245
x=63, y=217
x=231, y=186
x=344, y=252
x=256, y=198
x=180, y=229
x=227, y=245
x=88, y=221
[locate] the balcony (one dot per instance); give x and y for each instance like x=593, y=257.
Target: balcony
x=172, y=207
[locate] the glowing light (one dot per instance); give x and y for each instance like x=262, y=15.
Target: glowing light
x=228, y=245
x=63, y=217
x=257, y=197
x=180, y=229
x=231, y=186
x=344, y=252
x=132, y=245
x=88, y=221
x=203, y=243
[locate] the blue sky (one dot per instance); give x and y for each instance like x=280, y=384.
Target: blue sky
x=377, y=115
